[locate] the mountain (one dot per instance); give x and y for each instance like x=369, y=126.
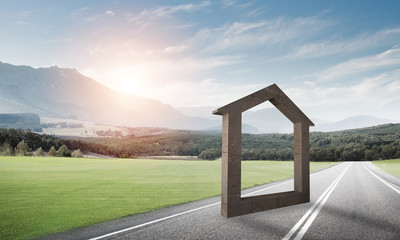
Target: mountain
x=65, y=93
x=203, y=111
x=270, y=120
x=245, y=129
x=354, y=122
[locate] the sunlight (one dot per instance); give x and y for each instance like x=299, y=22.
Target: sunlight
x=128, y=80
x=128, y=85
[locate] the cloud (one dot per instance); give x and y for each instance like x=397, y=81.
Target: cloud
x=336, y=45
x=252, y=13
x=167, y=11
x=236, y=3
x=389, y=58
x=204, y=92
x=251, y=35
x=21, y=22
x=25, y=13
x=158, y=74
x=174, y=49
x=296, y=38
x=377, y=95
x=110, y=13
x=367, y=90
x=229, y=3
x=146, y=17
x=78, y=12
x=309, y=83
x=85, y=14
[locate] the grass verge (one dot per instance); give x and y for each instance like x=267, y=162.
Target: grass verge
x=389, y=166
x=39, y=196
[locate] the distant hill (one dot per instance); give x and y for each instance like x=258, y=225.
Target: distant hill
x=270, y=120
x=384, y=129
x=23, y=121
x=360, y=121
x=65, y=93
x=245, y=129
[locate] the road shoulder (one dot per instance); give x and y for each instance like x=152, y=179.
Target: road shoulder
x=387, y=176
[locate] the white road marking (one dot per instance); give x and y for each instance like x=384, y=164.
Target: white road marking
x=260, y=190
x=178, y=214
x=263, y=189
x=183, y=213
x=315, y=213
x=379, y=178
x=317, y=207
x=155, y=221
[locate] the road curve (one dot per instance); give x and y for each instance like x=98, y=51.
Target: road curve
x=352, y=200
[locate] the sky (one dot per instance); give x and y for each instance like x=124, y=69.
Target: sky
x=334, y=59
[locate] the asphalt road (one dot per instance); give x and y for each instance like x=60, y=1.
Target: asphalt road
x=348, y=201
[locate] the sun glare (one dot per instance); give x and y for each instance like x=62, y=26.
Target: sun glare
x=128, y=85
x=127, y=80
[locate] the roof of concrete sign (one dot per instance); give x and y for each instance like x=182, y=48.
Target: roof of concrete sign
x=273, y=94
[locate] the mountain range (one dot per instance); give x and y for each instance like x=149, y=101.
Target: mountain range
x=270, y=120
x=65, y=93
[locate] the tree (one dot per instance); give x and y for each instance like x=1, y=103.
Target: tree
x=77, y=153
x=210, y=154
x=39, y=152
x=52, y=151
x=6, y=149
x=368, y=154
x=63, y=151
x=22, y=149
x=285, y=154
x=397, y=154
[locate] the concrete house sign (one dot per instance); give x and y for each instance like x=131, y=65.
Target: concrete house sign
x=232, y=204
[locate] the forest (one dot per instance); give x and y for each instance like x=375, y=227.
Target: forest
x=373, y=143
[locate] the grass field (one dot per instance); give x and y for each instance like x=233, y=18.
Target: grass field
x=390, y=166
x=39, y=196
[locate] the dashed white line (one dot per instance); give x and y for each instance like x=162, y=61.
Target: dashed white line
x=317, y=207
x=379, y=178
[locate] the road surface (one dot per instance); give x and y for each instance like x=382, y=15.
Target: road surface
x=352, y=200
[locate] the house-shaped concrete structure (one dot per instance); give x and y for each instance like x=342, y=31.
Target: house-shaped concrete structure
x=232, y=204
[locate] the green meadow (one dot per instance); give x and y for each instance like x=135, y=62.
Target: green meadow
x=389, y=166
x=43, y=195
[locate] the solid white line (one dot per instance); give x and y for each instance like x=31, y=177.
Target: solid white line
x=182, y=213
x=178, y=214
x=379, y=178
x=306, y=215
x=315, y=213
x=280, y=183
x=300, y=222
x=155, y=221
x=263, y=189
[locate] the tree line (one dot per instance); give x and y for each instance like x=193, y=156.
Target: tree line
x=380, y=142
x=26, y=143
